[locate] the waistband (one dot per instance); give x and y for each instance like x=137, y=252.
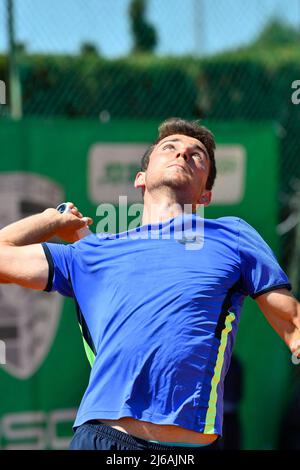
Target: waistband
x=179, y=444
x=108, y=431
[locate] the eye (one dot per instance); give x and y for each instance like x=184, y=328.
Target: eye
x=198, y=155
x=168, y=146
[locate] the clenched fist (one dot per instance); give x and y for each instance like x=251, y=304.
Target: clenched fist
x=68, y=224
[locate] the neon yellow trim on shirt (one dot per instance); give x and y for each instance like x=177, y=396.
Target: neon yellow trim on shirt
x=212, y=403
x=88, y=351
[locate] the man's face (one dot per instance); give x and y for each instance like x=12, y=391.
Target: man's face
x=179, y=162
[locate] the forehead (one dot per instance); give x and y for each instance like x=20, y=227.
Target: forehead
x=181, y=138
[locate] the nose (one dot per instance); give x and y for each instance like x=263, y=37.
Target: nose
x=184, y=153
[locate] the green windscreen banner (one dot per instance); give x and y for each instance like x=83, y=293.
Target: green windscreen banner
x=43, y=163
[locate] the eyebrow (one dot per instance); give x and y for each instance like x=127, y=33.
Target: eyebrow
x=196, y=146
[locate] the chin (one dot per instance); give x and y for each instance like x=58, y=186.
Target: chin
x=176, y=186
x=179, y=182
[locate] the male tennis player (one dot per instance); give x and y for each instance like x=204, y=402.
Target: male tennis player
x=159, y=320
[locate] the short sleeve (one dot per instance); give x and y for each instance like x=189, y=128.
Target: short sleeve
x=261, y=271
x=59, y=259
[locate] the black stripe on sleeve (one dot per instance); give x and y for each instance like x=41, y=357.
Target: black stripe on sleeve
x=269, y=289
x=48, y=255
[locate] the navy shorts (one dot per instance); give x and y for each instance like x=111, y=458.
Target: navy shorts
x=95, y=435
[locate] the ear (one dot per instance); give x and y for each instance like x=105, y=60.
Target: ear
x=139, y=181
x=205, y=198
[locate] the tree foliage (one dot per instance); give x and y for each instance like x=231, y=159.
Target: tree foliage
x=144, y=34
x=278, y=33
x=88, y=48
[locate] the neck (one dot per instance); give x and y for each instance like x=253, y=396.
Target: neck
x=158, y=208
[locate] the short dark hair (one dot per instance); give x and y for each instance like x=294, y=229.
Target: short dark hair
x=192, y=129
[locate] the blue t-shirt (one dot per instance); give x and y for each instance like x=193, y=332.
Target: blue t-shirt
x=159, y=315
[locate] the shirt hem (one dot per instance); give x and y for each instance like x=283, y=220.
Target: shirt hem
x=155, y=418
x=49, y=259
x=269, y=289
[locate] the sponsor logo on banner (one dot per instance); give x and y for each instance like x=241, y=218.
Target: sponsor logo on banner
x=29, y=318
x=37, y=430
x=112, y=168
x=229, y=187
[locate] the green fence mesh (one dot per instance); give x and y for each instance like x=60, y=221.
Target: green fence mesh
x=107, y=60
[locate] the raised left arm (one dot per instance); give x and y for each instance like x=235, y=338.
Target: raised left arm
x=282, y=311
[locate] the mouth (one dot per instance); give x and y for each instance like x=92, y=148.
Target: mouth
x=178, y=166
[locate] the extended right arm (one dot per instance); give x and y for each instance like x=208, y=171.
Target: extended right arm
x=22, y=258
x=26, y=266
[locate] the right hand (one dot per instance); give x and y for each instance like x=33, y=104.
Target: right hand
x=69, y=223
